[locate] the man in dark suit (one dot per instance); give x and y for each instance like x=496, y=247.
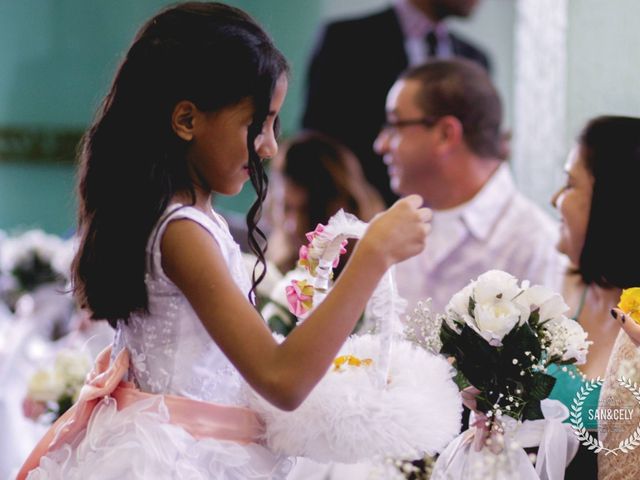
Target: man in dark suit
x=357, y=61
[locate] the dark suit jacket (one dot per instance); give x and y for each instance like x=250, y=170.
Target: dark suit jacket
x=353, y=67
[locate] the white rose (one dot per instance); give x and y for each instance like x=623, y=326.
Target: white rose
x=459, y=303
x=551, y=304
x=495, y=284
x=72, y=366
x=45, y=386
x=458, y=308
x=496, y=319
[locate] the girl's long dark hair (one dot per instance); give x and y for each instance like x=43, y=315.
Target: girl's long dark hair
x=131, y=161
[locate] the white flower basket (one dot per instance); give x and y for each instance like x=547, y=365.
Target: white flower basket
x=400, y=401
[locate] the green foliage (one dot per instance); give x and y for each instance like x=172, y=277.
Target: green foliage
x=496, y=370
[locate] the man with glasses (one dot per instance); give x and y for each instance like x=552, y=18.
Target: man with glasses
x=442, y=140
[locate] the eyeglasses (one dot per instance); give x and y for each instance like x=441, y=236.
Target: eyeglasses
x=392, y=128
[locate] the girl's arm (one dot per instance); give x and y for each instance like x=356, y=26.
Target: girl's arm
x=285, y=373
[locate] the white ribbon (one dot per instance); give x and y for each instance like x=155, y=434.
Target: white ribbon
x=556, y=442
x=557, y=445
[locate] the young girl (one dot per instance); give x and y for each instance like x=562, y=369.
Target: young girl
x=193, y=110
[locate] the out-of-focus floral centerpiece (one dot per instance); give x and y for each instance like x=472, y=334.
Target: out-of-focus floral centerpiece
x=30, y=260
x=52, y=391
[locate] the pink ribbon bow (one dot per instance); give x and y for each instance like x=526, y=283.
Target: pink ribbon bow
x=200, y=419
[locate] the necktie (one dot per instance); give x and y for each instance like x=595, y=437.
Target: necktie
x=432, y=44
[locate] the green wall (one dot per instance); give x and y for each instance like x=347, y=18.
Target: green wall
x=58, y=57
x=603, y=61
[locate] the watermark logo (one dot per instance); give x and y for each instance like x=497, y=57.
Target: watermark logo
x=609, y=414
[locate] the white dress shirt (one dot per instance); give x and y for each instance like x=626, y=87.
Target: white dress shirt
x=498, y=229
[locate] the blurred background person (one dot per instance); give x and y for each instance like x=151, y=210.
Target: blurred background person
x=356, y=61
x=442, y=140
x=312, y=177
x=602, y=172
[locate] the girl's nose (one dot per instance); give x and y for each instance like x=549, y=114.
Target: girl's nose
x=266, y=145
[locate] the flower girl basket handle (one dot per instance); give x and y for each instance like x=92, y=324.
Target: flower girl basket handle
x=385, y=306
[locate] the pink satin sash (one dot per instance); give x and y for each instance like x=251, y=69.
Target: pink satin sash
x=200, y=419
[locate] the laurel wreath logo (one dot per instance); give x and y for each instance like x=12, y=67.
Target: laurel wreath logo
x=575, y=418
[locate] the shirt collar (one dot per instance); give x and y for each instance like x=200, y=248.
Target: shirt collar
x=414, y=23
x=482, y=212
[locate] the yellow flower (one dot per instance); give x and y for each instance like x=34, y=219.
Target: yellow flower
x=630, y=303
x=350, y=360
x=311, y=264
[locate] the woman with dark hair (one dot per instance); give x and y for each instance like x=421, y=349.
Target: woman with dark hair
x=192, y=111
x=602, y=172
x=313, y=177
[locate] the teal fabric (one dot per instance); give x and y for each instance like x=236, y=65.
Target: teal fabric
x=569, y=380
x=566, y=388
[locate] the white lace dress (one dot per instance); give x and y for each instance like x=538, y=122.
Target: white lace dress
x=171, y=353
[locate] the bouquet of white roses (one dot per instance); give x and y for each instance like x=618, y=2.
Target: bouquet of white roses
x=53, y=391
x=502, y=336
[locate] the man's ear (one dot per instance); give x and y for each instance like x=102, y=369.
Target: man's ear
x=183, y=119
x=450, y=132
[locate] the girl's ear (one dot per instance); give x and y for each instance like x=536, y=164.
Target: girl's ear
x=183, y=119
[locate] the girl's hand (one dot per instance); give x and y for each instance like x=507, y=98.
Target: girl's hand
x=628, y=324
x=399, y=232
